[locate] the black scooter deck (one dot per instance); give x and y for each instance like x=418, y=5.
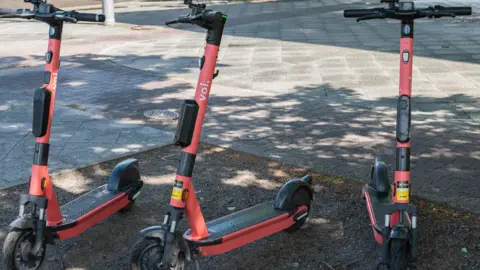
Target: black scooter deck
x=226, y=225
x=87, y=202
x=379, y=211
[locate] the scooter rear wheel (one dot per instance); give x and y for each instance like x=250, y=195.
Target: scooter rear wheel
x=16, y=251
x=398, y=254
x=147, y=255
x=301, y=197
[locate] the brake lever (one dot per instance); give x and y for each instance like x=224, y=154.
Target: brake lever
x=21, y=13
x=171, y=22
x=27, y=16
x=63, y=17
x=441, y=14
x=372, y=16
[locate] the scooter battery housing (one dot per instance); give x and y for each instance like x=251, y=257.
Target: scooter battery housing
x=41, y=110
x=186, y=123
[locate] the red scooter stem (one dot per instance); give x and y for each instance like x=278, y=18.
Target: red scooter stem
x=192, y=207
x=406, y=50
x=51, y=69
x=406, y=67
x=40, y=183
x=202, y=94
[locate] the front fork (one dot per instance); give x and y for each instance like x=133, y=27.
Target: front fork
x=172, y=246
x=35, y=220
x=399, y=231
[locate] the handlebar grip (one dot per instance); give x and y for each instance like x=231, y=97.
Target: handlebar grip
x=460, y=11
x=211, y=16
x=6, y=11
x=88, y=17
x=171, y=22
x=354, y=13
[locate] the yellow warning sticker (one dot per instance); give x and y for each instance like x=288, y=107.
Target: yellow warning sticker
x=402, y=194
x=177, y=194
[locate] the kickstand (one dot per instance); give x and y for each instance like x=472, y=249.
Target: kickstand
x=59, y=255
x=197, y=265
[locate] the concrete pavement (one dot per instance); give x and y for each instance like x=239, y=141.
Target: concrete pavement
x=298, y=83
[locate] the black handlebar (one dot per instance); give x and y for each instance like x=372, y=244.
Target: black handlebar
x=459, y=11
x=354, y=13
x=55, y=15
x=88, y=17
x=6, y=11
x=171, y=22
x=211, y=16
x=397, y=13
x=198, y=15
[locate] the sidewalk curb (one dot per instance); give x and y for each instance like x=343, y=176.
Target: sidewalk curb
x=55, y=173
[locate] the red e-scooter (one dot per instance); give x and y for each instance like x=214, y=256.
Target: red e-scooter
x=393, y=218
x=164, y=247
x=41, y=221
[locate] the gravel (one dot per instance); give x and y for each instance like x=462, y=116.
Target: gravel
x=336, y=236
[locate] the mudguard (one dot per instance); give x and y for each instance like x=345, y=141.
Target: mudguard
x=380, y=181
x=154, y=232
x=400, y=231
x=160, y=233
x=23, y=223
x=283, y=200
x=123, y=175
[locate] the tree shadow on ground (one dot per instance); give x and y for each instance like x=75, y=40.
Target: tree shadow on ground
x=79, y=102
x=321, y=126
x=330, y=129
x=334, y=130
x=335, y=235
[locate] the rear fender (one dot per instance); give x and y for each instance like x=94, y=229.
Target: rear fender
x=284, y=198
x=124, y=175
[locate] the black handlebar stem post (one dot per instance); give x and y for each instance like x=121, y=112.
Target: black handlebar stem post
x=56, y=30
x=212, y=21
x=45, y=13
x=215, y=30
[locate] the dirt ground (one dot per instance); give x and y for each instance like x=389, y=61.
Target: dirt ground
x=336, y=236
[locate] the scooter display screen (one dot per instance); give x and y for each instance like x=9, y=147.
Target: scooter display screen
x=406, y=6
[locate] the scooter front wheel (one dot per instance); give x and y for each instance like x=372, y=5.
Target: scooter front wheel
x=398, y=255
x=16, y=251
x=147, y=255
